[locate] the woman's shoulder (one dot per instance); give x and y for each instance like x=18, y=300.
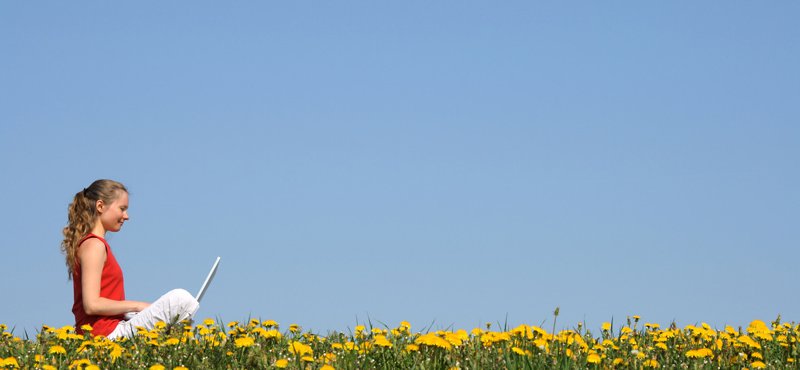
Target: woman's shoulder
x=92, y=242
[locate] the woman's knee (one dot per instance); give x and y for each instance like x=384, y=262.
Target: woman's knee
x=182, y=297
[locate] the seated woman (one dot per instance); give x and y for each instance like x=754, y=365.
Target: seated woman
x=98, y=285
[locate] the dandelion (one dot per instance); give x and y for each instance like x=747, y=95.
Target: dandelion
x=157, y=367
x=412, y=348
x=758, y=365
x=270, y=324
x=700, y=353
x=57, y=350
x=80, y=364
x=282, y=363
x=46, y=367
x=381, y=341
x=518, y=351
x=431, y=339
x=327, y=367
x=180, y=368
x=294, y=328
x=9, y=361
x=650, y=363
x=606, y=326
x=87, y=328
x=244, y=342
x=300, y=349
x=208, y=322
x=593, y=358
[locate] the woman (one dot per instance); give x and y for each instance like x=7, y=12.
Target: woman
x=98, y=284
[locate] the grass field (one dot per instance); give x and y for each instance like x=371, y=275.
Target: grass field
x=264, y=345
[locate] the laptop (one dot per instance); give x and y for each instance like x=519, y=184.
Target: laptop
x=206, y=283
x=200, y=293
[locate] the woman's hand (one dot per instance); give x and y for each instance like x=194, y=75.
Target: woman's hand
x=140, y=306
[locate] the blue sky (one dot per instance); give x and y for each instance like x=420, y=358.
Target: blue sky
x=452, y=163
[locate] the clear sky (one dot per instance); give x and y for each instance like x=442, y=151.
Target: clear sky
x=445, y=162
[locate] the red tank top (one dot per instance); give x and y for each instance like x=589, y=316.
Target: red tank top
x=112, y=286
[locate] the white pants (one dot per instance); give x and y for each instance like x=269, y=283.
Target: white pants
x=175, y=306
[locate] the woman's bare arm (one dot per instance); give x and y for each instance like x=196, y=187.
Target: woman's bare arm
x=92, y=257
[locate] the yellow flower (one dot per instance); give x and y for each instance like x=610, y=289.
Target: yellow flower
x=327, y=367
x=270, y=334
x=650, y=363
x=116, y=351
x=9, y=361
x=270, y=323
x=661, y=345
x=47, y=367
x=57, y=350
x=294, y=328
x=518, y=351
x=700, y=353
x=307, y=358
x=749, y=341
x=282, y=363
x=606, y=326
x=244, y=342
x=79, y=363
x=757, y=355
x=92, y=367
x=172, y=342
x=86, y=327
x=431, y=339
x=300, y=349
x=412, y=348
x=180, y=368
x=208, y=322
x=593, y=358
x=161, y=325
x=157, y=367
x=233, y=324
x=758, y=365
x=381, y=341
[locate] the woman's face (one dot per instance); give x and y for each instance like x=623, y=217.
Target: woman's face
x=113, y=215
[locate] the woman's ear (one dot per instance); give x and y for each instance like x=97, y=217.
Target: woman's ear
x=100, y=206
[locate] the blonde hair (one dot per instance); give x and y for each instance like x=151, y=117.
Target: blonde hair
x=83, y=215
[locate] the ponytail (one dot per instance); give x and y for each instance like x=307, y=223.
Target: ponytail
x=82, y=215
